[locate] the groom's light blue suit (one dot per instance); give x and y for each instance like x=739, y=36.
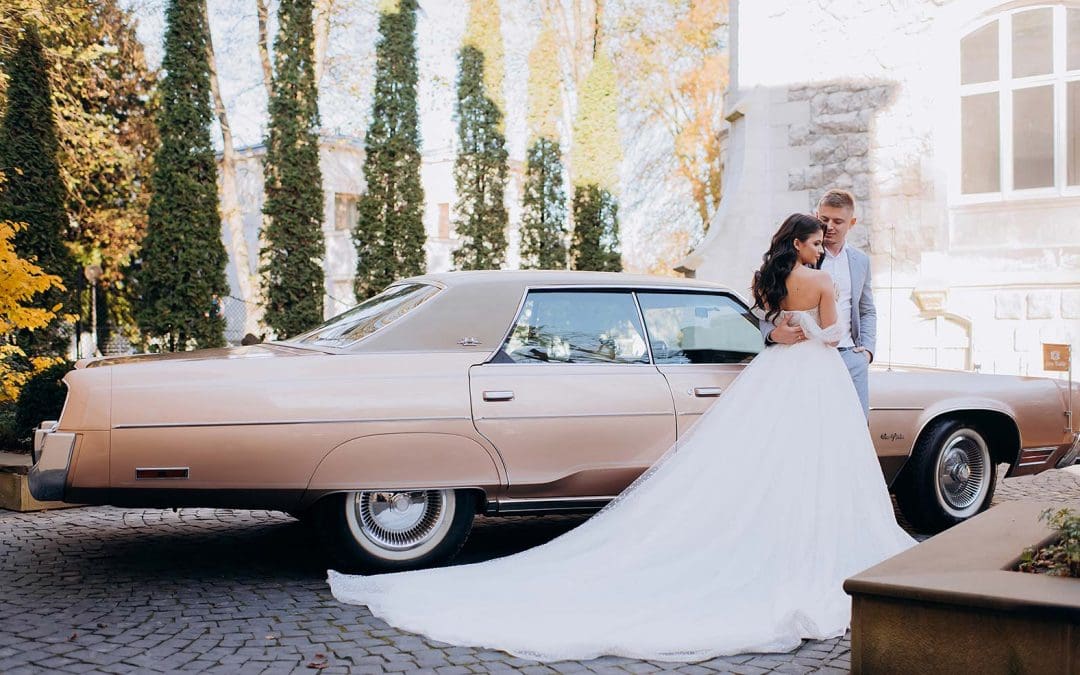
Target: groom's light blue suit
x=863, y=324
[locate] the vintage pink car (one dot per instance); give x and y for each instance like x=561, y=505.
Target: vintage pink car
x=506, y=392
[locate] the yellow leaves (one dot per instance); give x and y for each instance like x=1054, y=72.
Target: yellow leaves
x=12, y=377
x=545, y=99
x=20, y=280
x=484, y=32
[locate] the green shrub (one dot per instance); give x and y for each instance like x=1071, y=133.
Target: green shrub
x=9, y=438
x=42, y=398
x=1061, y=558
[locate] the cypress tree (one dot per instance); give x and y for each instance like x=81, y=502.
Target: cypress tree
x=181, y=274
x=595, y=244
x=389, y=235
x=596, y=230
x=32, y=191
x=292, y=269
x=480, y=169
x=543, y=218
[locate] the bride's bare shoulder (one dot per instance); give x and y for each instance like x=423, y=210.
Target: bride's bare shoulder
x=813, y=276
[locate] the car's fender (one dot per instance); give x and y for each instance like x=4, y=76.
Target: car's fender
x=404, y=460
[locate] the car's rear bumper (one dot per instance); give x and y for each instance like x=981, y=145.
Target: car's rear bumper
x=52, y=460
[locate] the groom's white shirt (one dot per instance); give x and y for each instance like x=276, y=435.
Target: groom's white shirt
x=839, y=268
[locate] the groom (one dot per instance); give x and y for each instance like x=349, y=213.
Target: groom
x=850, y=271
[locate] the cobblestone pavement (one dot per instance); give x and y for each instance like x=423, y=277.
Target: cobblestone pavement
x=110, y=590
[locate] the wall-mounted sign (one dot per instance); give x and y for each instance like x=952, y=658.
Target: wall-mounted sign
x=1056, y=357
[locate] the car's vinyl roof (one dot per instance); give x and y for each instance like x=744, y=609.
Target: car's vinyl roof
x=519, y=278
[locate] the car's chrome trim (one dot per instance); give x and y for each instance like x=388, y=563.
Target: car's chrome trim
x=508, y=505
x=644, y=329
x=574, y=415
x=1036, y=456
x=238, y=423
x=48, y=475
x=1069, y=458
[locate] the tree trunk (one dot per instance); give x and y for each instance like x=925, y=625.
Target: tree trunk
x=230, y=203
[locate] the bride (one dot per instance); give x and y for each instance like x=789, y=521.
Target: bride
x=737, y=540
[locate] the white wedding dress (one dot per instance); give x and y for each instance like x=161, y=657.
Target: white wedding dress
x=737, y=540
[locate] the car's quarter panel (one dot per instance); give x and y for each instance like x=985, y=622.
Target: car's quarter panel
x=573, y=430
x=265, y=424
x=408, y=460
x=88, y=403
x=904, y=401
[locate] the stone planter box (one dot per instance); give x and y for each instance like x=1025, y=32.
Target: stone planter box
x=14, y=488
x=952, y=604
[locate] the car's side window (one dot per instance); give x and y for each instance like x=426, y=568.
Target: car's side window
x=699, y=328
x=577, y=327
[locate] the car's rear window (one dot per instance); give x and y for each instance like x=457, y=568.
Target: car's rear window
x=368, y=317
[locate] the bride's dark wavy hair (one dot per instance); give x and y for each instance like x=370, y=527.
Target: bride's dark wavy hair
x=770, y=281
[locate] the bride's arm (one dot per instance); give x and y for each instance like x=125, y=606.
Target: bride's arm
x=826, y=301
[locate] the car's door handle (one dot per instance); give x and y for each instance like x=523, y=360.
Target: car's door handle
x=708, y=391
x=498, y=395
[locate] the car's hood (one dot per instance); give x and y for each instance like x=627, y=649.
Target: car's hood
x=260, y=351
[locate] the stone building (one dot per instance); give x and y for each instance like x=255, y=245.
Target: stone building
x=957, y=126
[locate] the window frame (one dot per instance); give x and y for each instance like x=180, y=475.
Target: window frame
x=633, y=290
x=1004, y=86
x=350, y=347
x=727, y=294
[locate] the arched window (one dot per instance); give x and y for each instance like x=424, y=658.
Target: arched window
x=1020, y=104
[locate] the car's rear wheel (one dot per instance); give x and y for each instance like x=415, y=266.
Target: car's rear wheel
x=950, y=477
x=390, y=530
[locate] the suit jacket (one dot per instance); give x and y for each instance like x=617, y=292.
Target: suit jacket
x=863, y=312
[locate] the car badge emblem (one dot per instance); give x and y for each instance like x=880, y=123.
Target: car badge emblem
x=469, y=342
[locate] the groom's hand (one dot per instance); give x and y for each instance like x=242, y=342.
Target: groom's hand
x=866, y=352
x=787, y=334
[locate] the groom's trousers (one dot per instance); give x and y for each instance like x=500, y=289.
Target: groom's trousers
x=859, y=368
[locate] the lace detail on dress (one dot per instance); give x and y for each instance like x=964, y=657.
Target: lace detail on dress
x=809, y=322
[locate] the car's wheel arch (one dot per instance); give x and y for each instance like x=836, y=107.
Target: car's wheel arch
x=408, y=460
x=999, y=427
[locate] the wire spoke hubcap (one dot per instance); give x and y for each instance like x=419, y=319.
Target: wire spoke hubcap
x=400, y=522
x=963, y=472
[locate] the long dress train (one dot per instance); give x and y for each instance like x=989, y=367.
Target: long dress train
x=737, y=540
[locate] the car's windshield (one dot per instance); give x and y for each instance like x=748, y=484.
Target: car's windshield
x=368, y=317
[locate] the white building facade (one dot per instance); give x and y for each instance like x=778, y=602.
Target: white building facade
x=957, y=127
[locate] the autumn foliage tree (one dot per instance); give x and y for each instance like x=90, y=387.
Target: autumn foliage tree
x=672, y=61
x=104, y=102
x=21, y=282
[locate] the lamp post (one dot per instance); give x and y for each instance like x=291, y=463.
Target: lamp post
x=92, y=274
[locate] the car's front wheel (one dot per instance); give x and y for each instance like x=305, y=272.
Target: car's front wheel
x=388, y=530
x=950, y=477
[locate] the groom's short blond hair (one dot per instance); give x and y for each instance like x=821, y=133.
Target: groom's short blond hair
x=838, y=199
